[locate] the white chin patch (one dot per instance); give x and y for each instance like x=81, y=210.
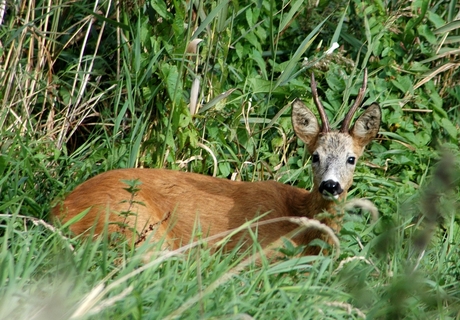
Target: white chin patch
x=330, y=197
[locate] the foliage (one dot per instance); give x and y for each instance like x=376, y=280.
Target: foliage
x=206, y=87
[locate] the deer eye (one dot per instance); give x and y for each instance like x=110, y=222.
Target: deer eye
x=315, y=158
x=351, y=160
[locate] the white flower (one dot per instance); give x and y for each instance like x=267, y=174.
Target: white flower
x=334, y=46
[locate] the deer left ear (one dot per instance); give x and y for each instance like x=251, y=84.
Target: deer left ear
x=305, y=124
x=367, y=125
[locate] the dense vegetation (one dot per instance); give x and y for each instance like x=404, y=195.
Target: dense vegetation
x=91, y=86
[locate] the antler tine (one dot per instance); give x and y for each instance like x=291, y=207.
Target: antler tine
x=358, y=101
x=325, y=122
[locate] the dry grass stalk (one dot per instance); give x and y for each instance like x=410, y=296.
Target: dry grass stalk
x=350, y=259
x=348, y=307
x=43, y=223
x=89, y=303
x=84, y=310
x=363, y=204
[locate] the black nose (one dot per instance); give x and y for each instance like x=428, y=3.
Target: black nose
x=330, y=187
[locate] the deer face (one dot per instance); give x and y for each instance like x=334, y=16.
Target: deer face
x=333, y=163
x=334, y=154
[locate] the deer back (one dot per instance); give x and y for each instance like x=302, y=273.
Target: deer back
x=176, y=204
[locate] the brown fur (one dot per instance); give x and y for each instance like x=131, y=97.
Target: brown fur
x=172, y=203
x=179, y=200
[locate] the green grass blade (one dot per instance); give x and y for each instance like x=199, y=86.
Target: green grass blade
x=294, y=60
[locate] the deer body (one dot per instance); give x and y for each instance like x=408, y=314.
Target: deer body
x=172, y=204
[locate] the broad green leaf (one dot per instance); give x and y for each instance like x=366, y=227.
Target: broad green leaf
x=421, y=8
x=425, y=31
x=450, y=128
x=436, y=19
x=262, y=86
x=403, y=83
x=184, y=119
x=257, y=57
x=172, y=81
x=224, y=169
x=160, y=7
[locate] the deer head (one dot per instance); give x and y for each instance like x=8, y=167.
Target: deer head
x=334, y=153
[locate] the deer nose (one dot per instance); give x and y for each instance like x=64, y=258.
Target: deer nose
x=330, y=187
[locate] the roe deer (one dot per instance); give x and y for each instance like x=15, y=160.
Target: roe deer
x=173, y=203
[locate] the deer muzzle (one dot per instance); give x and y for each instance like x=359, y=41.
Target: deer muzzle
x=330, y=188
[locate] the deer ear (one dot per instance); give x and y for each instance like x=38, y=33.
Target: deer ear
x=367, y=125
x=305, y=124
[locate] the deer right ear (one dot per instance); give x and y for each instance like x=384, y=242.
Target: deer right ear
x=305, y=124
x=367, y=125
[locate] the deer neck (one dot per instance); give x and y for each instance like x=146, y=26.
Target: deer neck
x=314, y=204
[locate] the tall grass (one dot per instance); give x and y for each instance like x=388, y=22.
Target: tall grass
x=206, y=87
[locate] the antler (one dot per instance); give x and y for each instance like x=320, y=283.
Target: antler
x=358, y=101
x=325, y=123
